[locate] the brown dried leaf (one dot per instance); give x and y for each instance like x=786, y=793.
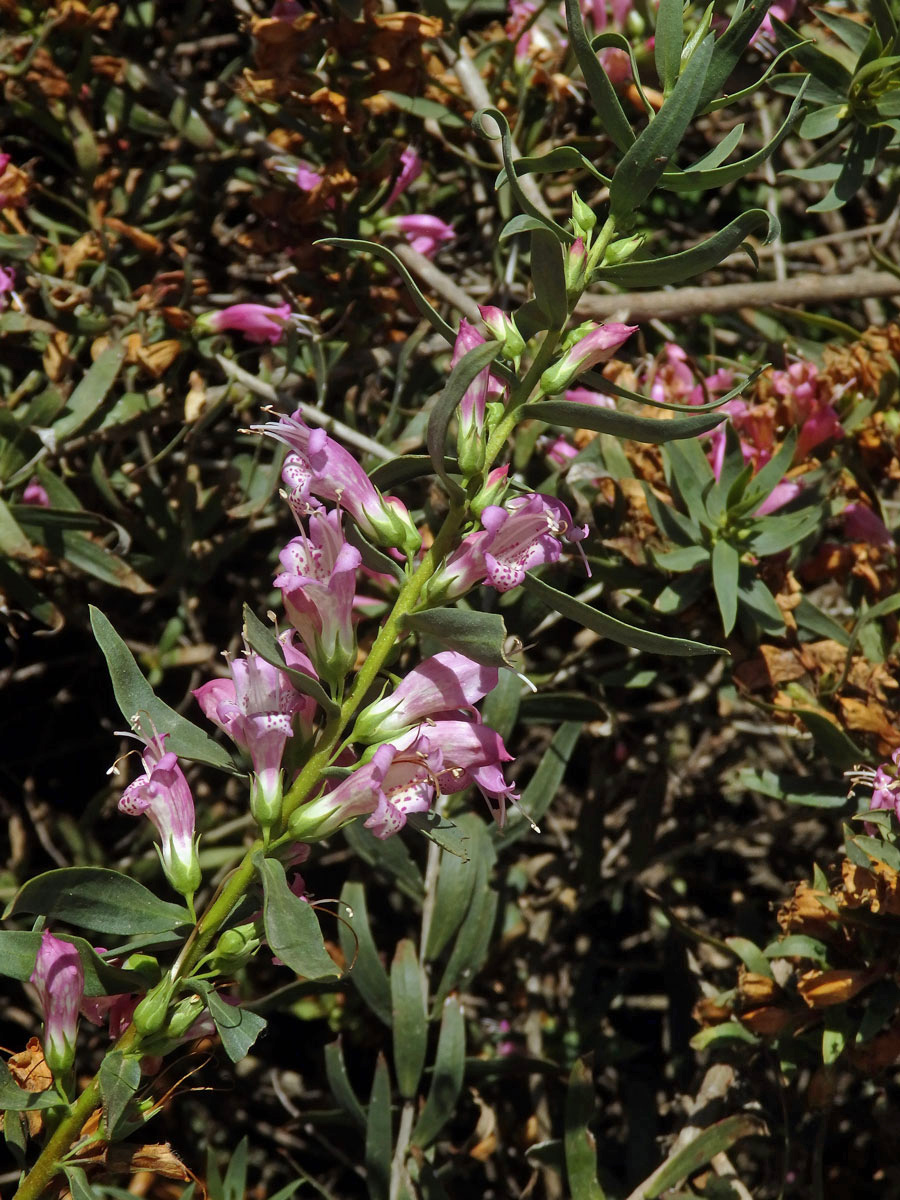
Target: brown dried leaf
x=824, y=989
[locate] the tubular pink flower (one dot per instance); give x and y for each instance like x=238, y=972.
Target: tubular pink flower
x=255, y=708
x=863, y=525
x=410, y=169
x=257, y=322
x=596, y=346
x=7, y=283
x=163, y=794
x=783, y=493
x=425, y=233
x=318, y=584
x=36, y=493
x=502, y=328
x=59, y=978
x=306, y=179
x=445, y=683
x=520, y=12
x=320, y=467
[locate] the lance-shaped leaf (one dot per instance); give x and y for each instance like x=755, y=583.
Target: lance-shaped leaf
x=135, y=696
x=339, y=1082
x=378, y=1134
x=574, y=415
x=712, y=1141
x=673, y=268
x=119, y=1078
x=292, y=927
x=730, y=49
x=405, y=468
x=541, y=790
x=639, y=171
x=560, y=158
x=823, y=67
x=409, y=1018
x=456, y=881
x=99, y=899
x=447, y=1077
x=441, y=414
x=18, y=952
x=531, y=210
x=548, y=277
x=580, y=1147
x=261, y=639
x=237, y=1027
x=358, y=947
x=602, y=92
x=610, y=627
x=90, y=393
x=388, y=257
x=725, y=564
x=668, y=40
x=607, y=387
x=480, y=636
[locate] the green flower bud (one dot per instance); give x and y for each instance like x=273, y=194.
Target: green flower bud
x=151, y=1014
x=583, y=217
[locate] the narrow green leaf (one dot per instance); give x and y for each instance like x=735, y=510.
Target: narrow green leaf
x=674, y=268
x=643, y=164
x=505, y=138
x=447, y=1078
x=541, y=790
x=135, y=697
x=90, y=392
x=472, y=942
x=574, y=415
x=548, y=277
x=521, y=223
x=391, y=857
x=799, y=945
x=725, y=564
x=97, y=898
x=388, y=257
x=793, y=789
x=602, y=92
x=18, y=953
x=689, y=474
x=779, y=531
x=675, y=525
x=404, y=468
x=811, y=619
x=234, y=1185
x=237, y=1027
x=261, y=639
x=409, y=1018
x=339, y=1082
x=119, y=1078
x=292, y=927
x=684, y=558
x=364, y=966
x=480, y=636
x=580, y=1147
x=446, y=404
x=442, y=832
x=14, y=542
x=456, y=879
x=379, y=1139
x=730, y=49
x=59, y=532
x=615, y=630
x=769, y=476
x=824, y=67
x=427, y=110
x=837, y=747
x=79, y=1185
x=750, y=955
x=560, y=158
x=608, y=388
x=668, y=41
x=712, y=1141
x=728, y=1030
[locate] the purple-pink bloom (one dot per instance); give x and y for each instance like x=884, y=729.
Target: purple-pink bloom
x=783, y=493
x=318, y=584
x=35, y=493
x=595, y=346
x=255, y=708
x=59, y=978
x=257, y=322
x=425, y=233
x=861, y=524
x=307, y=179
x=410, y=170
x=446, y=683
x=320, y=467
x=163, y=794
x=7, y=283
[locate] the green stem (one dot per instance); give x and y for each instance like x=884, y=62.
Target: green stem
x=62, y=1138
x=520, y=395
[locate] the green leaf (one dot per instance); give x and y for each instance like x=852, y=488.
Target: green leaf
x=755, y=597
x=59, y=533
x=687, y=467
x=792, y=789
x=119, y=1078
x=602, y=92
x=560, y=158
x=472, y=942
x=409, y=1019
x=674, y=268
x=427, y=110
x=447, y=403
x=675, y=525
x=365, y=969
x=16, y=1099
x=18, y=953
x=750, y=955
x=541, y=790
x=97, y=898
x=234, y=1185
x=811, y=619
x=447, y=1078
x=644, y=162
x=441, y=831
x=261, y=639
x=580, y=1147
x=725, y=563
x=684, y=558
x=823, y=67
x=388, y=257
x=456, y=879
x=767, y=479
x=292, y=927
x=606, y=386
x=799, y=945
x=858, y=164
x=572, y=414
x=480, y=636
x=840, y=750
x=668, y=41
x=730, y=49
x=237, y=1027
x=610, y=627
x=79, y=1185
x=404, y=468
x=135, y=697
x=712, y=1141
x=512, y=180
x=378, y=1134
x=778, y=532
x=548, y=277
x=724, y=1032
x=391, y=856
x=90, y=392
x=339, y=1082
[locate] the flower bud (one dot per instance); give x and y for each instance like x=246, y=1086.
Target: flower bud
x=502, y=327
x=59, y=978
x=585, y=346
x=150, y=1015
x=492, y=492
x=622, y=250
x=583, y=216
x=236, y=947
x=266, y=796
x=576, y=267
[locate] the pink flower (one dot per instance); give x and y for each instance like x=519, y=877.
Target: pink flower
x=318, y=584
x=255, y=708
x=425, y=233
x=861, y=524
x=320, y=467
x=163, y=794
x=783, y=493
x=306, y=179
x=7, y=283
x=595, y=346
x=443, y=684
x=257, y=322
x=59, y=978
x=586, y=396
x=410, y=170
x=36, y=493
x=520, y=13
